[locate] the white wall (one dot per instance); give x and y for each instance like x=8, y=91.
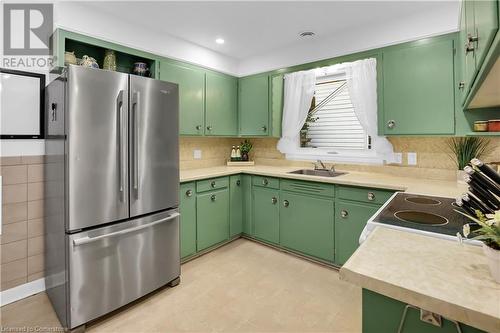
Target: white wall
x=85, y=19
x=363, y=38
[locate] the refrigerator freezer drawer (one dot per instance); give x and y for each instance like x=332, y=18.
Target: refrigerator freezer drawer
x=112, y=266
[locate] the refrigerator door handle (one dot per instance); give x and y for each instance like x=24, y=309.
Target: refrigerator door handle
x=86, y=239
x=119, y=111
x=135, y=109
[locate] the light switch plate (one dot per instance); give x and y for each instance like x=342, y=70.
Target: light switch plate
x=398, y=158
x=412, y=158
x=197, y=154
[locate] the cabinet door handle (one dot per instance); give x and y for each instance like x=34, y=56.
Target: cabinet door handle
x=212, y=184
x=472, y=39
x=264, y=128
x=371, y=196
x=265, y=182
x=198, y=127
x=461, y=85
x=391, y=123
x=274, y=200
x=209, y=128
x=213, y=197
x=344, y=213
x=189, y=193
x=286, y=203
x=238, y=182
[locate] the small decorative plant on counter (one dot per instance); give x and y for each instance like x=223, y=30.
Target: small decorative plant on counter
x=489, y=233
x=245, y=148
x=462, y=150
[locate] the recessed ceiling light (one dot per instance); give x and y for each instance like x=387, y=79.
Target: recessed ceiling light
x=220, y=40
x=306, y=34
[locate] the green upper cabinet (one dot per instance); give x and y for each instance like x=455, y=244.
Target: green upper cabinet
x=419, y=88
x=276, y=104
x=191, y=96
x=221, y=104
x=253, y=105
x=485, y=27
x=235, y=205
x=187, y=208
x=306, y=224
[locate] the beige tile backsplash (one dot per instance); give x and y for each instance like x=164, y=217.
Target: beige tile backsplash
x=22, y=239
x=21, y=242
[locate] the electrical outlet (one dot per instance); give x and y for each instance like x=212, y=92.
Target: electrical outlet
x=398, y=158
x=412, y=158
x=197, y=154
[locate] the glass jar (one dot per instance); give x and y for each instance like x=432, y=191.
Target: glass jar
x=109, y=60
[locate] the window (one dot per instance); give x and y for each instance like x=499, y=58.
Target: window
x=332, y=123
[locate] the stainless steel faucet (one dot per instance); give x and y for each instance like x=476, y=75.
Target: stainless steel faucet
x=322, y=166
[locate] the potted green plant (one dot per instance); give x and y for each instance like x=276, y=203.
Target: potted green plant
x=464, y=149
x=245, y=148
x=489, y=234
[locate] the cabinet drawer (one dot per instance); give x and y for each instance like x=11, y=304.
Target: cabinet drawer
x=364, y=194
x=212, y=184
x=266, y=182
x=305, y=187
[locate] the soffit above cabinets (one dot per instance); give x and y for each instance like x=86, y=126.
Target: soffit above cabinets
x=253, y=28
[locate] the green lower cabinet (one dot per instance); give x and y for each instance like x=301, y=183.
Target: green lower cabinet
x=221, y=104
x=187, y=208
x=306, y=225
x=212, y=216
x=383, y=314
x=191, y=96
x=266, y=214
x=235, y=206
x=246, y=184
x=350, y=219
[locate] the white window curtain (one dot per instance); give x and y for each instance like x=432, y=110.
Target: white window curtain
x=361, y=78
x=298, y=94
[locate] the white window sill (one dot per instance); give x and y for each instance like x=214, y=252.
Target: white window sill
x=347, y=156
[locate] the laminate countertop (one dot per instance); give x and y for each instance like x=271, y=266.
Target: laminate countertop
x=437, y=275
x=352, y=178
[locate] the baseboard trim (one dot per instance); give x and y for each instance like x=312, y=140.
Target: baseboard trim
x=25, y=290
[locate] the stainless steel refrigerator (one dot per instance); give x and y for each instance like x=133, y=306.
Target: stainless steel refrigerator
x=111, y=191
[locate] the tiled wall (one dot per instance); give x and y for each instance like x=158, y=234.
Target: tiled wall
x=21, y=241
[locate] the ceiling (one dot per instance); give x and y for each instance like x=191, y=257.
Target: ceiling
x=256, y=27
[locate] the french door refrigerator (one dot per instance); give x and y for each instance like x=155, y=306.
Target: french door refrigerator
x=111, y=191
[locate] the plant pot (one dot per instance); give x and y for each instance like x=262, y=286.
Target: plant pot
x=493, y=257
x=460, y=176
x=244, y=157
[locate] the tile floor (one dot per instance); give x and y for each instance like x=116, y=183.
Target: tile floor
x=241, y=287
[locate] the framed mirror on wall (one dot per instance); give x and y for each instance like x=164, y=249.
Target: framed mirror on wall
x=21, y=104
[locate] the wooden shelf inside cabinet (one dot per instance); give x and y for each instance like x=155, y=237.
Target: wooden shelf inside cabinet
x=483, y=134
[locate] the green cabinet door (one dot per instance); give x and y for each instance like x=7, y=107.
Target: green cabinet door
x=187, y=208
x=253, y=105
x=235, y=206
x=463, y=85
x=276, y=105
x=306, y=225
x=469, y=54
x=221, y=107
x=350, y=219
x=246, y=184
x=191, y=96
x=266, y=212
x=212, y=216
x=383, y=314
x=419, y=88
x=486, y=26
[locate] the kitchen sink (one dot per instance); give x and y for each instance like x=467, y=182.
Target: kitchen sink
x=322, y=173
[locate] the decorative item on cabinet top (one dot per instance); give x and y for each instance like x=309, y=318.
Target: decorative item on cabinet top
x=109, y=60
